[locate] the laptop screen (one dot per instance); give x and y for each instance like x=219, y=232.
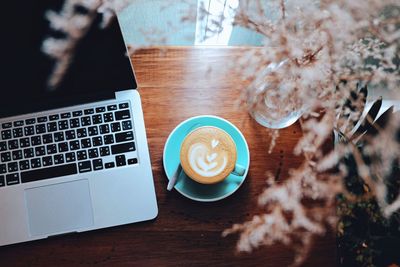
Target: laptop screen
x=98, y=67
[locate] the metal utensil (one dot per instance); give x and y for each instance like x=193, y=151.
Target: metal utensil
x=174, y=177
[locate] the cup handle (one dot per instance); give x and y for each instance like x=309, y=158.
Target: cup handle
x=239, y=170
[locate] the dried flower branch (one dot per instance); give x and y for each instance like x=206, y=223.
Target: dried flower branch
x=332, y=49
x=75, y=24
x=329, y=50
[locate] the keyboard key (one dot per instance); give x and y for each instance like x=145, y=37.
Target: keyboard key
x=70, y=157
x=58, y=159
x=85, y=121
x=6, y=134
x=97, y=119
x=97, y=141
x=51, y=149
x=30, y=121
x=12, y=167
x=63, y=125
x=40, y=151
x=42, y=119
x=36, y=163
x=122, y=137
x=13, y=144
x=108, y=139
x=18, y=132
x=132, y=161
x=29, y=153
x=54, y=117
x=51, y=127
x=80, y=133
x=74, y=145
x=66, y=115
x=120, y=160
x=108, y=117
x=97, y=164
x=69, y=135
x=47, y=138
x=86, y=143
x=47, y=161
x=2, y=181
x=12, y=179
x=81, y=155
x=85, y=166
x=5, y=156
x=46, y=173
x=6, y=125
x=18, y=123
x=93, y=130
x=17, y=154
x=104, y=151
x=24, y=142
x=3, y=168
x=123, y=105
x=59, y=136
x=93, y=153
x=29, y=130
x=89, y=111
x=122, y=115
x=115, y=127
x=36, y=140
x=3, y=146
x=77, y=113
x=123, y=148
x=63, y=147
x=112, y=107
x=109, y=165
x=104, y=128
x=74, y=123
x=40, y=128
x=24, y=165
x=100, y=109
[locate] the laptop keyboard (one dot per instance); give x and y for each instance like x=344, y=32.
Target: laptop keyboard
x=80, y=141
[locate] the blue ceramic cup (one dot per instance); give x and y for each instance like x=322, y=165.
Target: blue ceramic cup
x=208, y=155
x=185, y=185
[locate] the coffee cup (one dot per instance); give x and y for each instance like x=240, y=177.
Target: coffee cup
x=208, y=155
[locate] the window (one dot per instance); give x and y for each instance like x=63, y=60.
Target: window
x=214, y=21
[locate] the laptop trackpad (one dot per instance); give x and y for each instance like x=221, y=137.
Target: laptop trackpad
x=59, y=208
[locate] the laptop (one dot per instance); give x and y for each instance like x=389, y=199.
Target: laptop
x=73, y=157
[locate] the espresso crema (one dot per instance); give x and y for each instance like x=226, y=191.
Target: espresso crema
x=208, y=155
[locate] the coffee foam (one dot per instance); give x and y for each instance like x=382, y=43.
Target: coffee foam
x=205, y=162
x=208, y=154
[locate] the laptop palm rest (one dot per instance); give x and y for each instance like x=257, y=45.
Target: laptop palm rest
x=59, y=208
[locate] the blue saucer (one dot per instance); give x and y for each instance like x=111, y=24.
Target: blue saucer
x=187, y=186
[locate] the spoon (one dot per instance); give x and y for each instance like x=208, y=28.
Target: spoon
x=174, y=177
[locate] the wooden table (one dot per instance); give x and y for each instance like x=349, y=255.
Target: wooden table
x=175, y=84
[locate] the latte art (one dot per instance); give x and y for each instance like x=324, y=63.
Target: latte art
x=208, y=155
x=206, y=162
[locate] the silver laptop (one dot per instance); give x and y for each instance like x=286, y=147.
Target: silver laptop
x=73, y=158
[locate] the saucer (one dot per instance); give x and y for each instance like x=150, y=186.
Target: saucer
x=190, y=188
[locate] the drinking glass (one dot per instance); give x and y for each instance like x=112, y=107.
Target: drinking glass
x=270, y=102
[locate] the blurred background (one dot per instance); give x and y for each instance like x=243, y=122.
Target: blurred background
x=203, y=23
x=184, y=23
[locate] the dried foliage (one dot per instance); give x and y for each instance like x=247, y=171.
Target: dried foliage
x=332, y=50
x=74, y=20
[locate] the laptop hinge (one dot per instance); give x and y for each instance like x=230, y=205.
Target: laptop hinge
x=31, y=105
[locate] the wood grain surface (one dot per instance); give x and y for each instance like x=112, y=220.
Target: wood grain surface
x=175, y=84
